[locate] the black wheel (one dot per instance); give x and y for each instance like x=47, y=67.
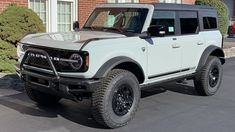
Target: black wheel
x=115, y=101
x=208, y=80
x=40, y=97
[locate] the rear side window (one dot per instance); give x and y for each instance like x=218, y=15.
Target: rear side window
x=165, y=18
x=188, y=22
x=209, y=23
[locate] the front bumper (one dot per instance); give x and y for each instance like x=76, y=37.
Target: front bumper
x=49, y=81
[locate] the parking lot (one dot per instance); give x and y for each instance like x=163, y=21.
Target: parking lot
x=168, y=108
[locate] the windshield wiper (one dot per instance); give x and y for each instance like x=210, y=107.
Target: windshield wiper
x=115, y=29
x=130, y=31
x=88, y=28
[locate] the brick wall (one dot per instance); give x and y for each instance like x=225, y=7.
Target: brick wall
x=188, y=1
x=86, y=7
x=5, y=3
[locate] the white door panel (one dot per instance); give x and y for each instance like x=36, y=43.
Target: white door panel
x=163, y=56
x=191, y=46
x=164, y=53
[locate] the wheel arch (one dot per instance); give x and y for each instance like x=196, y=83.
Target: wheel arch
x=124, y=63
x=211, y=51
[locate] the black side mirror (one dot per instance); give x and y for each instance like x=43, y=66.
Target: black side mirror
x=157, y=31
x=76, y=26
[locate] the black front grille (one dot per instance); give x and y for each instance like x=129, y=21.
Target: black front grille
x=39, y=60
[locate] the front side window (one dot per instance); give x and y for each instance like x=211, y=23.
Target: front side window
x=120, y=20
x=188, y=22
x=209, y=23
x=166, y=19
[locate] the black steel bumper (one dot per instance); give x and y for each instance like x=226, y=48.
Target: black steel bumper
x=50, y=81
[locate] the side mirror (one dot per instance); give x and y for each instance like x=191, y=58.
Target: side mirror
x=76, y=26
x=157, y=31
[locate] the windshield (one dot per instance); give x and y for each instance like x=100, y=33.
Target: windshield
x=120, y=20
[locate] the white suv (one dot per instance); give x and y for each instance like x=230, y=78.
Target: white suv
x=121, y=49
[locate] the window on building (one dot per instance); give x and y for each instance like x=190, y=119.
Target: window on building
x=170, y=1
x=64, y=16
x=165, y=18
x=40, y=7
x=123, y=1
x=188, y=22
x=209, y=23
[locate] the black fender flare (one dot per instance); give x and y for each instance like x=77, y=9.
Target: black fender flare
x=110, y=64
x=207, y=52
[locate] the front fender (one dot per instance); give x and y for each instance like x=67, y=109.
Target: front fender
x=110, y=64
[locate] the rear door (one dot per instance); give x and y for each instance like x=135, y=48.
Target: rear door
x=189, y=38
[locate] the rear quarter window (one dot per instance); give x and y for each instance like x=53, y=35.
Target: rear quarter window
x=209, y=23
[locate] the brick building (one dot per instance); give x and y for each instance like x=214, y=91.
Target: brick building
x=58, y=15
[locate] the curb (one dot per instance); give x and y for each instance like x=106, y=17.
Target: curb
x=230, y=52
x=3, y=74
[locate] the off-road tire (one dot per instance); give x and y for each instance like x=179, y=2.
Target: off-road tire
x=202, y=77
x=41, y=98
x=102, y=98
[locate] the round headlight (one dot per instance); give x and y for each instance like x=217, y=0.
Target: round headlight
x=76, y=61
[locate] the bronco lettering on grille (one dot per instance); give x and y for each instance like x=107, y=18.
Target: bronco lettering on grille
x=36, y=55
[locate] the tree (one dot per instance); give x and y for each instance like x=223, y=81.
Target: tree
x=16, y=22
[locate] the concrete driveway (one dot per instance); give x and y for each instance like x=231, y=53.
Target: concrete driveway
x=169, y=108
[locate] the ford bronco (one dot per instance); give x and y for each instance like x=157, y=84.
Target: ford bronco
x=121, y=49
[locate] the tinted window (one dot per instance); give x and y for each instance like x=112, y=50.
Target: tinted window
x=165, y=18
x=209, y=23
x=188, y=22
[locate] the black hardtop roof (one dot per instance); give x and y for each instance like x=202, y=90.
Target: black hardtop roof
x=169, y=6
x=162, y=6
x=165, y=6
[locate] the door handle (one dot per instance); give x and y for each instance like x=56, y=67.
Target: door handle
x=175, y=46
x=200, y=43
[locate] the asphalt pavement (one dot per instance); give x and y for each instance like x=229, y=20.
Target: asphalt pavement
x=229, y=43
x=168, y=108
